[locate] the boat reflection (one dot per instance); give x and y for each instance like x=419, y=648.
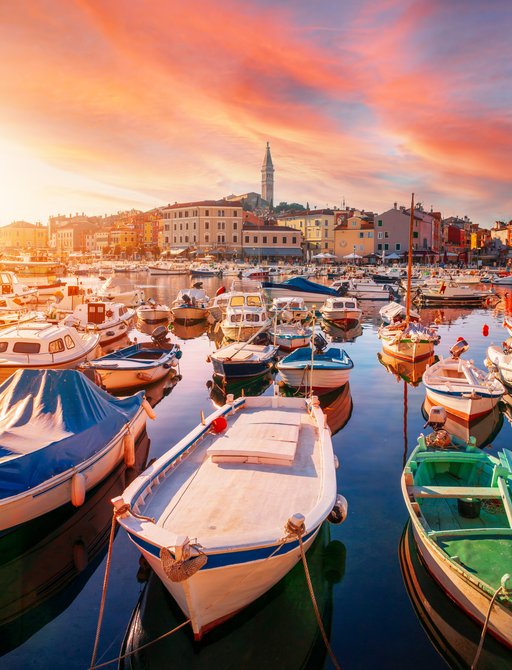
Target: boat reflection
x=404, y=370
x=148, y=328
x=454, y=635
x=45, y=563
x=258, y=637
x=162, y=388
x=253, y=386
x=337, y=407
x=189, y=332
x=338, y=334
x=484, y=429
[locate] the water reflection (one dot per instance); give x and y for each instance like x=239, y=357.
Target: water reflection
x=189, y=332
x=45, y=563
x=454, y=635
x=337, y=407
x=279, y=630
x=219, y=388
x=338, y=334
x=408, y=371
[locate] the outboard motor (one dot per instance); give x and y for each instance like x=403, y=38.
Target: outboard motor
x=320, y=343
x=459, y=347
x=440, y=438
x=160, y=334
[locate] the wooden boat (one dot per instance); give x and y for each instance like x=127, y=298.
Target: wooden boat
x=37, y=344
x=343, y=312
x=458, y=499
x=190, y=305
x=451, y=293
x=138, y=365
x=246, y=314
x=153, y=312
x=111, y=320
x=290, y=336
x=460, y=387
x=60, y=436
x=500, y=358
x=238, y=360
x=322, y=370
x=412, y=342
x=242, y=494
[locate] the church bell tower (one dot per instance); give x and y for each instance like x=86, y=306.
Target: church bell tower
x=267, y=178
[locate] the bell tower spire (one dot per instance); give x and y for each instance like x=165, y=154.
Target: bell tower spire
x=267, y=177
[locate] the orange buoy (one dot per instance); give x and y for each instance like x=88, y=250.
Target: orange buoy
x=219, y=424
x=485, y=330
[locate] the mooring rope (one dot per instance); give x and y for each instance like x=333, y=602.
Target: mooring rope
x=484, y=629
x=315, y=604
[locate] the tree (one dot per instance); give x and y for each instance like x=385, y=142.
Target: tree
x=288, y=207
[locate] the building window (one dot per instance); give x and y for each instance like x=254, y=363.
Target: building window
x=180, y=214
x=186, y=238
x=206, y=225
x=284, y=240
x=181, y=226
x=247, y=239
x=379, y=223
x=386, y=247
x=207, y=212
x=361, y=247
x=370, y=234
x=379, y=247
x=264, y=239
x=361, y=235
x=255, y=239
x=235, y=239
x=235, y=225
x=294, y=240
x=397, y=246
x=206, y=238
x=274, y=240
x=415, y=234
x=235, y=213
x=379, y=235
x=386, y=234
x=181, y=239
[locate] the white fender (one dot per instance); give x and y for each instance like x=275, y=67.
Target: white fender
x=78, y=489
x=148, y=409
x=129, y=449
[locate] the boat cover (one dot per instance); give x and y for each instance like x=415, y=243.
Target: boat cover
x=301, y=284
x=331, y=359
x=52, y=420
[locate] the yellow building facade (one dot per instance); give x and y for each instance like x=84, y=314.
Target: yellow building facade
x=23, y=235
x=356, y=235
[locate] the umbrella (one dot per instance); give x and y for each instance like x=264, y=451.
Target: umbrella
x=318, y=256
x=394, y=256
x=352, y=256
x=330, y=255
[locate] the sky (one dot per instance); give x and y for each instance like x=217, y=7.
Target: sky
x=108, y=105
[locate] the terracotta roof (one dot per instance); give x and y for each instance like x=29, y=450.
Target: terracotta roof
x=206, y=203
x=268, y=229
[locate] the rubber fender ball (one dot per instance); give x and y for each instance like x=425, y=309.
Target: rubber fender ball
x=219, y=424
x=485, y=330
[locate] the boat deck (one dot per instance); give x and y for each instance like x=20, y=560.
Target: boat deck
x=235, y=501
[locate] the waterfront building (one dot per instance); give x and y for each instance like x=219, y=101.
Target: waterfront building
x=270, y=242
x=316, y=227
x=23, y=235
x=354, y=235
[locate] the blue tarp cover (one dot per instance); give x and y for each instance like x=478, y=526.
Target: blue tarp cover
x=301, y=284
x=331, y=359
x=52, y=420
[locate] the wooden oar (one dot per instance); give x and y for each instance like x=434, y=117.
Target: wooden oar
x=263, y=327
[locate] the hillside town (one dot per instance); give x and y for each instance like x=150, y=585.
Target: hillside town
x=251, y=227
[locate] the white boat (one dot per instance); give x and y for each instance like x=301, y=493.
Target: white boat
x=246, y=314
x=459, y=502
x=225, y=505
x=367, y=289
x=169, y=268
x=190, y=305
x=501, y=359
x=394, y=312
x=137, y=365
x=153, y=312
x=111, y=320
x=289, y=308
x=131, y=297
x=411, y=341
x=502, y=281
x=290, y=336
x=242, y=361
x=61, y=435
x=462, y=388
x=38, y=344
x=10, y=287
x=450, y=293
x=343, y=312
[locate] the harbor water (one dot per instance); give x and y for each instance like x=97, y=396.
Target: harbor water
x=380, y=607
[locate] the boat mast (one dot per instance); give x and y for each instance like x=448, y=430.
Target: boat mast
x=409, y=267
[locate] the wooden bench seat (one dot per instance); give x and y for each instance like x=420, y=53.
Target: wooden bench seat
x=454, y=492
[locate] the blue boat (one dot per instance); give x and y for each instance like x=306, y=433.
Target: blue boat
x=323, y=371
x=60, y=435
x=237, y=361
x=312, y=293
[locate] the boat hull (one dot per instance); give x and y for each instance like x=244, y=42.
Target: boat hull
x=56, y=491
x=242, y=334
x=465, y=406
x=189, y=315
x=211, y=596
x=237, y=370
x=322, y=380
x=408, y=350
x=8, y=370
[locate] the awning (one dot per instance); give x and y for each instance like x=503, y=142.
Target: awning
x=272, y=251
x=175, y=252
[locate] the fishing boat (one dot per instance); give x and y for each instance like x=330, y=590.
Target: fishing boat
x=452, y=293
x=238, y=360
x=316, y=367
x=343, y=312
x=289, y=309
x=500, y=360
x=411, y=341
x=394, y=312
x=458, y=499
x=246, y=314
x=460, y=387
x=190, y=305
x=129, y=295
x=38, y=344
x=111, y=320
x=138, y=365
x=312, y=293
x=367, y=289
x=60, y=436
x=290, y=336
x=153, y=312
x=192, y=513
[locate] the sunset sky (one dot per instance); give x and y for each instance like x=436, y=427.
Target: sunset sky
x=113, y=104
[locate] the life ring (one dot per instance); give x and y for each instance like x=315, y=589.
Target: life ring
x=109, y=313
